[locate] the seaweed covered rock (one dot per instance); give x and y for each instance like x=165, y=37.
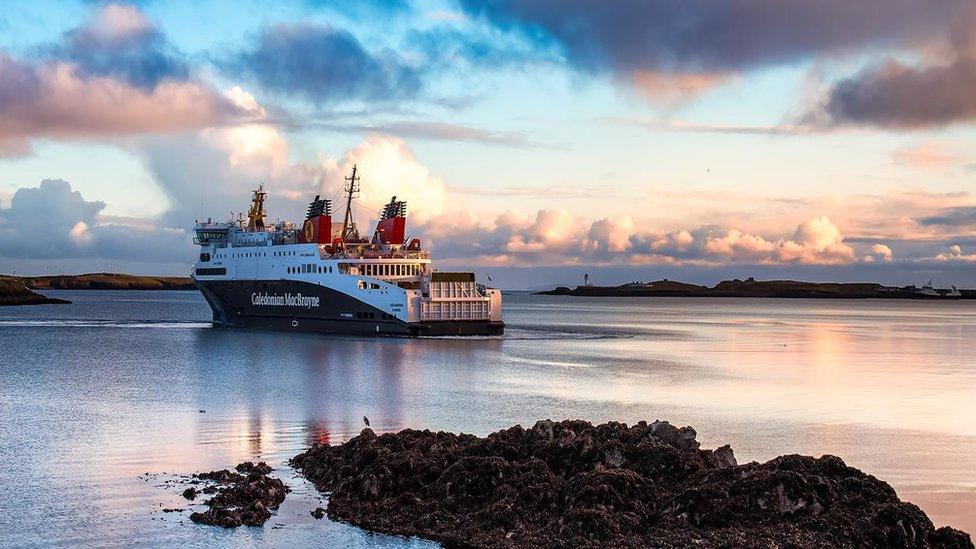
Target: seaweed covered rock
x=573, y=484
x=245, y=497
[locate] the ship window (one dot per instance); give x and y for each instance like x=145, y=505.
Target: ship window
x=374, y=286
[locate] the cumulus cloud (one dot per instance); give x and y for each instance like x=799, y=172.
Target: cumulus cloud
x=878, y=252
x=52, y=221
x=699, y=37
x=955, y=253
x=557, y=237
x=387, y=167
x=324, y=64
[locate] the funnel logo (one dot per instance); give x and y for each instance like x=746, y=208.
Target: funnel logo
x=308, y=231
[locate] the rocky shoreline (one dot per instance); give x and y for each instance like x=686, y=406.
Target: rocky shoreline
x=573, y=484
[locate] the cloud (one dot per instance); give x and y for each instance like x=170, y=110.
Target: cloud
x=955, y=253
x=111, y=77
x=324, y=64
x=938, y=89
x=121, y=42
x=387, y=167
x=554, y=237
x=957, y=217
x=219, y=167
x=55, y=101
x=697, y=127
x=429, y=130
x=52, y=221
x=700, y=37
x=673, y=87
x=925, y=155
x=879, y=252
x=896, y=95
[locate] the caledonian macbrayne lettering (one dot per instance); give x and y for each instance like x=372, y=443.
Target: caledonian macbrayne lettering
x=287, y=300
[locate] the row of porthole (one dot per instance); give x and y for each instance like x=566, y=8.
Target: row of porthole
x=320, y=270
x=255, y=254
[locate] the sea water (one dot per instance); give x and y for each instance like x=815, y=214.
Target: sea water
x=104, y=403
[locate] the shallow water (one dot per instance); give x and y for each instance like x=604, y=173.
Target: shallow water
x=96, y=394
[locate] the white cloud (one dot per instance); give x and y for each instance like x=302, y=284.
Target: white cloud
x=79, y=234
x=956, y=253
x=878, y=252
x=387, y=167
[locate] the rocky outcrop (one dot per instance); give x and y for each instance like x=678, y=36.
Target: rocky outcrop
x=245, y=496
x=573, y=484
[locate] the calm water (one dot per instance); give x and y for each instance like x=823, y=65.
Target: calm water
x=96, y=394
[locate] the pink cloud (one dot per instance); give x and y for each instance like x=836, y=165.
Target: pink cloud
x=54, y=101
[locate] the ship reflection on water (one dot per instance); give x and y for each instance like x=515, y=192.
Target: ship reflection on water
x=91, y=407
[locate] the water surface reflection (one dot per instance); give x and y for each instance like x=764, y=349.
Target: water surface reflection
x=90, y=407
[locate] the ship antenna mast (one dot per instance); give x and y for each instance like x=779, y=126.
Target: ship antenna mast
x=351, y=188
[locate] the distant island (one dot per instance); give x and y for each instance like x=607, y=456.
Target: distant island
x=109, y=281
x=765, y=288
x=18, y=290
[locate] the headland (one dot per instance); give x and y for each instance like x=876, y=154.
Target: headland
x=14, y=291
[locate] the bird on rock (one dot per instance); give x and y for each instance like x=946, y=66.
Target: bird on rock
x=366, y=420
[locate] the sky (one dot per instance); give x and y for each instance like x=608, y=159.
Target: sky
x=533, y=140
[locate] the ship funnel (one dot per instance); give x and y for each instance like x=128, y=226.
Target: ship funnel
x=318, y=222
x=391, y=228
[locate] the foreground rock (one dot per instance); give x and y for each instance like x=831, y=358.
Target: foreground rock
x=572, y=484
x=245, y=496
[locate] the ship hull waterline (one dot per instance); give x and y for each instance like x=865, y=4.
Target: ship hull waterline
x=231, y=302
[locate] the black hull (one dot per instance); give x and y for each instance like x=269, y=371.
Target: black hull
x=334, y=312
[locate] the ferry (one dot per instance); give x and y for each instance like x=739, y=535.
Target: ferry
x=321, y=278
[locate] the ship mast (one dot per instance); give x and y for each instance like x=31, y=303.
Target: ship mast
x=352, y=188
x=255, y=217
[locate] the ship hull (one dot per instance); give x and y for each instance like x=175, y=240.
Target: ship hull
x=304, y=307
